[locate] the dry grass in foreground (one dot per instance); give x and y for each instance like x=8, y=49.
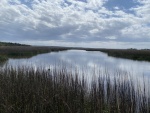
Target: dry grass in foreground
x=25, y=90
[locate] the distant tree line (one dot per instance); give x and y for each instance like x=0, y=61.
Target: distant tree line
x=11, y=44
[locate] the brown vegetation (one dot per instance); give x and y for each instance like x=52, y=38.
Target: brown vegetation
x=134, y=54
x=25, y=51
x=26, y=90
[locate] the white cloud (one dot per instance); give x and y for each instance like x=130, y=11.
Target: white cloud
x=73, y=21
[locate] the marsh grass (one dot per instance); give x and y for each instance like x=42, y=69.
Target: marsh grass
x=7, y=52
x=3, y=58
x=134, y=54
x=11, y=44
x=26, y=90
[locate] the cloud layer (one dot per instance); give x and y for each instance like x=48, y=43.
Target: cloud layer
x=74, y=21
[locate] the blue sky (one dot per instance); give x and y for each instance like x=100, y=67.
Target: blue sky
x=86, y=23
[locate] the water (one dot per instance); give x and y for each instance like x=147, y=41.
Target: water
x=87, y=63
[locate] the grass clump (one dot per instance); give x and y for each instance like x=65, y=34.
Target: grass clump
x=3, y=58
x=26, y=90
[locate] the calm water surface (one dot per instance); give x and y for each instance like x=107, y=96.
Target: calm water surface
x=87, y=63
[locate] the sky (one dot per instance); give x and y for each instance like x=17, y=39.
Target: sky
x=77, y=23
